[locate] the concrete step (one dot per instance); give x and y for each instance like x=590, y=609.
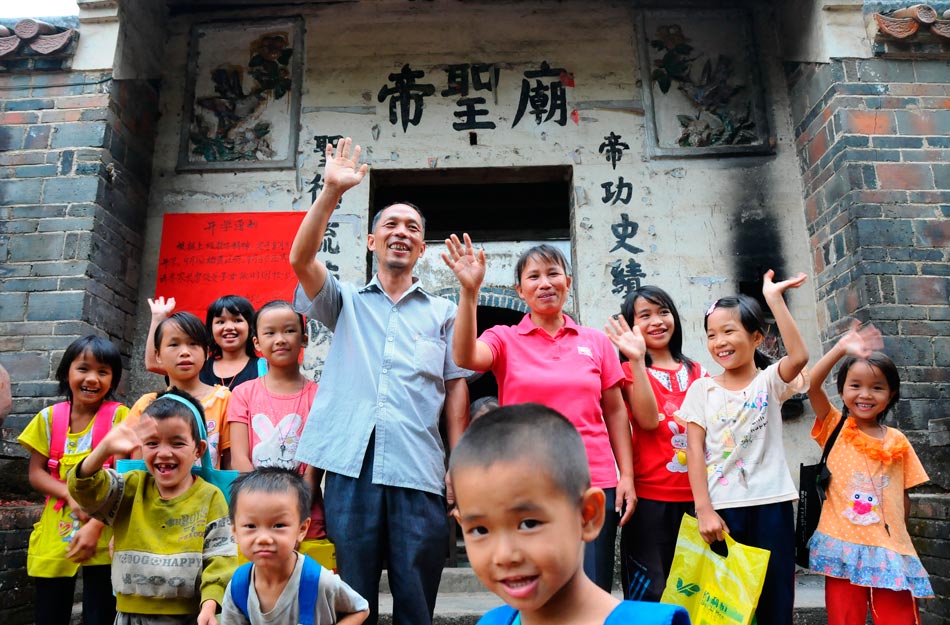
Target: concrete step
x=463, y=600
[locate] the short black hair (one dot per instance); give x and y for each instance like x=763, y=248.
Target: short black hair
x=529, y=432
x=379, y=214
x=272, y=480
x=236, y=305
x=545, y=252
x=165, y=408
x=189, y=324
x=275, y=305
x=885, y=365
x=101, y=349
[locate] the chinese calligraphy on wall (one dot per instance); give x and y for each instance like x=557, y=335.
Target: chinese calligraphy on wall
x=543, y=95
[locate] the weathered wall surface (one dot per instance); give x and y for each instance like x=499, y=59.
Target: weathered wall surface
x=701, y=223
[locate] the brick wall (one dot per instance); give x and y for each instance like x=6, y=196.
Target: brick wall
x=75, y=162
x=75, y=159
x=873, y=138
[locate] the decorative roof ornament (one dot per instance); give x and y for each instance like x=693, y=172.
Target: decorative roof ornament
x=32, y=38
x=910, y=22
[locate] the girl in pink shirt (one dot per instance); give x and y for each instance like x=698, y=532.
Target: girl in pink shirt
x=657, y=377
x=550, y=360
x=267, y=414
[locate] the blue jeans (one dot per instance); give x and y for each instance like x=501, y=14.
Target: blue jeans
x=769, y=526
x=367, y=522
x=599, y=554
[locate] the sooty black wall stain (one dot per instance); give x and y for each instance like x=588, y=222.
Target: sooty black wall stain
x=757, y=242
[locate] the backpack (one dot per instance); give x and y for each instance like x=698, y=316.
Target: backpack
x=60, y=428
x=306, y=594
x=627, y=613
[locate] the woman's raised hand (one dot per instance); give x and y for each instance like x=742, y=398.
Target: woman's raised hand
x=469, y=266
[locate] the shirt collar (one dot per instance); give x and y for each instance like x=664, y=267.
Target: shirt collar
x=375, y=284
x=526, y=326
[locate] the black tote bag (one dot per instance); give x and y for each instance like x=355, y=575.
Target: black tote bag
x=813, y=480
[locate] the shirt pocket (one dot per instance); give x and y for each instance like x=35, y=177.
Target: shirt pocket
x=429, y=357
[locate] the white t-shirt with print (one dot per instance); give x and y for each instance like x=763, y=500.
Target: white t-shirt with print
x=745, y=455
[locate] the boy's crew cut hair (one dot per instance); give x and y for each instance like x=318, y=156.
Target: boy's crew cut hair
x=236, y=305
x=101, y=349
x=527, y=432
x=272, y=480
x=543, y=252
x=658, y=297
x=277, y=304
x=165, y=408
x=189, y=324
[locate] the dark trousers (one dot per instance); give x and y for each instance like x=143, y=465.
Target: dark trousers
x=599, y=553
x=367, y=522
x=769, y=526
x=647, y=543
x=53, y=604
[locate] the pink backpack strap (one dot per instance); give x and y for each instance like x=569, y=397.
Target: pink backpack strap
x=101, y=425
x=59, y=427
x=105, y=417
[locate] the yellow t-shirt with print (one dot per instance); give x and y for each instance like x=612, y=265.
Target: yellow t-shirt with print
x=51, y=535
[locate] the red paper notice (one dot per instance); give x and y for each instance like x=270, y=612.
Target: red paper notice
x=207, y=255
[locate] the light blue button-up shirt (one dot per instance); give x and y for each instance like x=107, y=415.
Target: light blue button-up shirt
x=386, y=370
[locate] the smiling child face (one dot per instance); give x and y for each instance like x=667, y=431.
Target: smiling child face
x=523, y=535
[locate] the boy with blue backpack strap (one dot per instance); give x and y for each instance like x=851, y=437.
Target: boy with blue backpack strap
x=270, y=514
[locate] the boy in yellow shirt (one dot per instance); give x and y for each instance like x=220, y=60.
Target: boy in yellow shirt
x=174, y=551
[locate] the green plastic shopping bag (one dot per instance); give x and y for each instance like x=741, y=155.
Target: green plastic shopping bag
x=715, y=590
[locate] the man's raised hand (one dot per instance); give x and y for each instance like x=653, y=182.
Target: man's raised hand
x=343, y=171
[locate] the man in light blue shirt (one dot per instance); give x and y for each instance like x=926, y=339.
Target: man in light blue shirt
x=374, y=425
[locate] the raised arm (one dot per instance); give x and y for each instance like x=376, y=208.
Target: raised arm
x=341, y=174
x=469, y=268
x=639, y=393
x=797, y=353
x=161, y=309
x=855, y=342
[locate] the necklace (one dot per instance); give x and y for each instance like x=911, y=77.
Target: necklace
x=231, y=380
x=878, y=493
x=284, y=435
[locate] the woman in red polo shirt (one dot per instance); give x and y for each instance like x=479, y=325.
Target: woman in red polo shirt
x=549, y=359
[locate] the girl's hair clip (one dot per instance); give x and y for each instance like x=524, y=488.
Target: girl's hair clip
x=710, y=310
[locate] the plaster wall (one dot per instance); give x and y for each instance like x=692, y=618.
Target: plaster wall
x=700, y=220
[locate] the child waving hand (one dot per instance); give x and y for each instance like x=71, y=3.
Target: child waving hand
x=861, y=544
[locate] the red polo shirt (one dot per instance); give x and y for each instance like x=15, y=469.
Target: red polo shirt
x=567, y=372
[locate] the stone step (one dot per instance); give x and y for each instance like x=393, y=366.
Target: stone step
x=463, y=600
